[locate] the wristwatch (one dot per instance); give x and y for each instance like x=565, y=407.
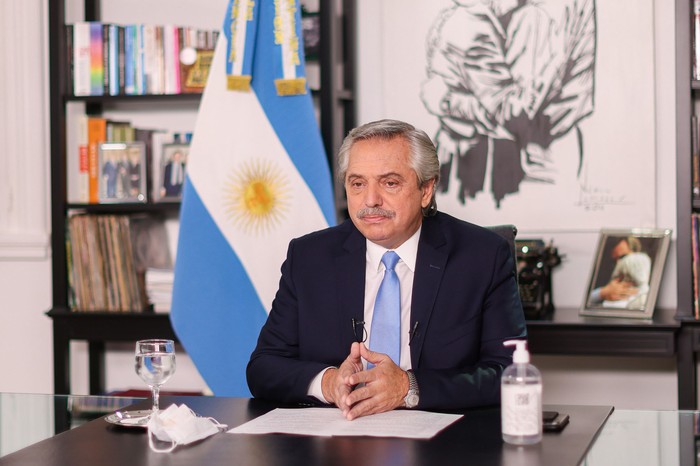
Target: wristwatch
x=411, y=399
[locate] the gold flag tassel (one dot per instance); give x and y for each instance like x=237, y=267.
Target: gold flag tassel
x=296, y=86
x=238, y=83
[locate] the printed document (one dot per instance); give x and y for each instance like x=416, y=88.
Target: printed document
x=328, y=422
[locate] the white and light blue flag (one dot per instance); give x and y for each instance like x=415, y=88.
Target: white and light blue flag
x=257, y=176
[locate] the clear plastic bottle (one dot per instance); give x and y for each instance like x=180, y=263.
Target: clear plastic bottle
x=521, y=398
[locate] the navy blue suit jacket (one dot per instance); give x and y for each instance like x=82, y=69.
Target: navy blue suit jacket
x=465, y=300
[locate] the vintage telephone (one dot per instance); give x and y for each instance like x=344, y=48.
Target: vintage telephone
x=535, y=263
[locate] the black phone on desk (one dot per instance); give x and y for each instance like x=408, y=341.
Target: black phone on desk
x=554, y=421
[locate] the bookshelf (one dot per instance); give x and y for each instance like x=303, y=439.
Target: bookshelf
x=335, y=103
x=687, y=105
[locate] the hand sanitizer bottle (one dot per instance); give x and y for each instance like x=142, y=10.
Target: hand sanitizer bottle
x=521, y=398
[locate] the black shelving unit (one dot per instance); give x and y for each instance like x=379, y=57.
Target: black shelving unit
x=687, y=105
x=687, y=92
x=335, y=100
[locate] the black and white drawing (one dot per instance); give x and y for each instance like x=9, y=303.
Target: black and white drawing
x=505, y=79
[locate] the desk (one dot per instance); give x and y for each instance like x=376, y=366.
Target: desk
x=475, y=438
x=26, y=418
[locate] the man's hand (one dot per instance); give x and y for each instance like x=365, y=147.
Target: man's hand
x=384, y=387
x=617, y=290
x=333, y=383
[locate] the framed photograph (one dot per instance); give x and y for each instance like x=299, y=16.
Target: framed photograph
x=311, y=33
x=173, y=163
x=626, y=273
x=122, y=172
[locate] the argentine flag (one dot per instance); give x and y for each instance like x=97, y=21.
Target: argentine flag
x=257, y=176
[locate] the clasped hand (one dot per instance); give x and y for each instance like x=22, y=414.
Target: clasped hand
x=617, y=290
x=358, y=392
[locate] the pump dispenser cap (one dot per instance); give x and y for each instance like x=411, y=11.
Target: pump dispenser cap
x=520, y=355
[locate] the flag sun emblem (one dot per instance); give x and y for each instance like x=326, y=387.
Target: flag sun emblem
x=257, y=196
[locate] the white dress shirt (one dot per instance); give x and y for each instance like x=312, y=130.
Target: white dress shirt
x=374, y=273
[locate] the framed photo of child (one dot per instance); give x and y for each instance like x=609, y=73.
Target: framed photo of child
x=626, y=273
x=122, y=172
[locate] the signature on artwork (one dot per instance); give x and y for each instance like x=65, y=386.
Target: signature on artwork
x=593, y=198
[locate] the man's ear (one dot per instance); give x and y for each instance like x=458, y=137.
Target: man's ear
x=428, y=189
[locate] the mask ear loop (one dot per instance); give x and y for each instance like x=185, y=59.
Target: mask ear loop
x=220, y=426
x=152, y=443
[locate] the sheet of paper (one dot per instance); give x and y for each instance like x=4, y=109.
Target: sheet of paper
x=329, y=422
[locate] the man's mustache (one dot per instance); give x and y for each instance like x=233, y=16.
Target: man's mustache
x=375, y=212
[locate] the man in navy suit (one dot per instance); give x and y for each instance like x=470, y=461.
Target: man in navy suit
x=458, y=295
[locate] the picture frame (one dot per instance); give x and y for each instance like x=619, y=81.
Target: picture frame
x=122, y=172
x=173, y=167
x=311, y=33
x=626, y=273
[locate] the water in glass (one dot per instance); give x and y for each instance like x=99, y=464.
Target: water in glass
x=155, y=364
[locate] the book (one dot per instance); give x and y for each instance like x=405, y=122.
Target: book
x=171, y=59
x=139, y=58
x=77, y=187
x=696, y=40
x=130, y=59
x=159, y=79
x=121, y=58
x=81, y=153
x=150, y=60
x=695, y=252
x=81, y=58
x=105, y=59
x=97, y=134
x=96, y=59
x=695, y=156
x=69, y=58
x=113, y=65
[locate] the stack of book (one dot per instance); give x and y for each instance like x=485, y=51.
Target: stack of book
x=159, y=288
x=137, y=59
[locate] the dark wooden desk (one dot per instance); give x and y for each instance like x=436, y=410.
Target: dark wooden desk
x=476, y=439
x=565, y=333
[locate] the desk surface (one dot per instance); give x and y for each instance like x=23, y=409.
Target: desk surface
x=629, y=437
x=475, y=436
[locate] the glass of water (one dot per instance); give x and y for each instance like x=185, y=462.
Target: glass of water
x=155, y=364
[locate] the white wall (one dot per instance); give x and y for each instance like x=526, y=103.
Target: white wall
x=25, y=270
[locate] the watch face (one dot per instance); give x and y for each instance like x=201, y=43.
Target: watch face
x=411, y=400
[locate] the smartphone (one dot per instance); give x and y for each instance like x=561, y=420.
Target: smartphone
x=554, y=421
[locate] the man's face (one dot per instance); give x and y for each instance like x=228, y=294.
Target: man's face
x=621, y=249
x=384, y=199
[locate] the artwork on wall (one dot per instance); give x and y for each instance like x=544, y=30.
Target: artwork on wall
x=542, y=112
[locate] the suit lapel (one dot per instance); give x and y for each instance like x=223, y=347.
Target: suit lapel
x=430, y=267
x=350, y=267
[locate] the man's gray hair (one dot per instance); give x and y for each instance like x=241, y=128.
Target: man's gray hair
x=423, y=155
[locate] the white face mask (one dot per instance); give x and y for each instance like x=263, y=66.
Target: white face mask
x=179, y=425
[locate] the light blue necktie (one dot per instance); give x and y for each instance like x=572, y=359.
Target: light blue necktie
x=386, y=320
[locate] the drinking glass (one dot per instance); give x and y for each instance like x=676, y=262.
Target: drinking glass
x=155, y=364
